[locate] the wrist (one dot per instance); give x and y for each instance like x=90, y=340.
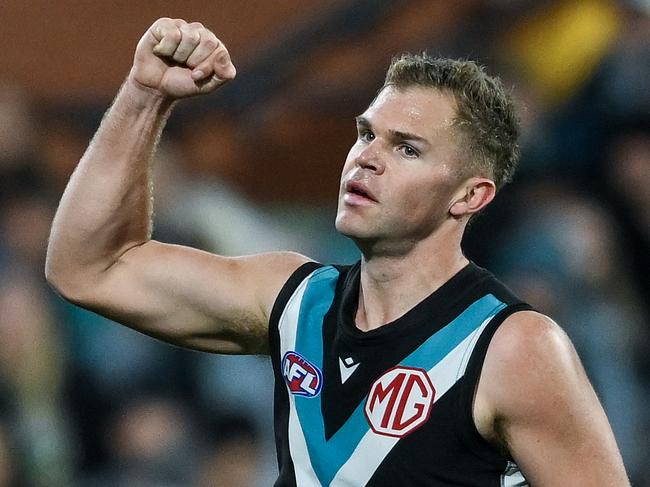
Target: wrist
x=142, y=97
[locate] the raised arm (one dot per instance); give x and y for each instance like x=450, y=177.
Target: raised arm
x=542, y=408
x=100, y=253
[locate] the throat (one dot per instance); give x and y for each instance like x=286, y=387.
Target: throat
x=363, y=322
x=383, y=305
x=387, y=292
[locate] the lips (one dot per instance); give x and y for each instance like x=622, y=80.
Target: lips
x=357, y=189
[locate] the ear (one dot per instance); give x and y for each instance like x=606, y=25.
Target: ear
x=473, y=195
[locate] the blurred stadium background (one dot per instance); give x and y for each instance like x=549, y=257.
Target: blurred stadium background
x=86, y=403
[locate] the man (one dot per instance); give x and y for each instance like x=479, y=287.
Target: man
x=413, y=367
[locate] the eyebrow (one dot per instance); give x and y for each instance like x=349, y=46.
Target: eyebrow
x=395, y=134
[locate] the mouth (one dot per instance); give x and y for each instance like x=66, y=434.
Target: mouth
x=357, y=192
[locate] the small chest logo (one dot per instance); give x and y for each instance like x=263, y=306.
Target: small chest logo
x=399, y=401
x=302, y=377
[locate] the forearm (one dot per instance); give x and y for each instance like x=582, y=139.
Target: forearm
x=107, y=206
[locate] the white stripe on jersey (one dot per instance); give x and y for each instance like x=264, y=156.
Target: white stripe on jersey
x=513, y=477
x=288, y=326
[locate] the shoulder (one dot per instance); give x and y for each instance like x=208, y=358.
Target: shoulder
x=532, y=374
x=529, y=338
x=529, y=354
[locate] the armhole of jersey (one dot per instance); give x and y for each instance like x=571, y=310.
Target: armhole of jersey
x=473, y=373
x=287, y=291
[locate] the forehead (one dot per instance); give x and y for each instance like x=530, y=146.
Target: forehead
x=421, y=109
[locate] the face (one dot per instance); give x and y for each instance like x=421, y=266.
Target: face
x=400, y=176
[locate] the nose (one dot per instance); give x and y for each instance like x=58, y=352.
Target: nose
x=370, y=159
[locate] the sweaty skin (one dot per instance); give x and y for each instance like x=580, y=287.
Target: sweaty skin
x=404, y=199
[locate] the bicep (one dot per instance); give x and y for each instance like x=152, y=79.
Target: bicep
x=194, y=298
x=545, y=408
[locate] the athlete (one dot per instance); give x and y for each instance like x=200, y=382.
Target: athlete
x=412, y=367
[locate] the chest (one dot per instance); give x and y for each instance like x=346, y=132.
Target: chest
x=357, y=403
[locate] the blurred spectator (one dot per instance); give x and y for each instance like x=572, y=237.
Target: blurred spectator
x=626, y=93
x=207, y=199
x=560, y=44
x=25, y=221
x=234, y=457
x=32, y=372
x=627, y=169
x=16, y=127
x=110, y=364
x=10, y=474
x=626, y=174
x=63, y=134
x=151, y=443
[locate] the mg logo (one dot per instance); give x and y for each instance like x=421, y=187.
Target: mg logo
x=302, y=377
x=400, y=401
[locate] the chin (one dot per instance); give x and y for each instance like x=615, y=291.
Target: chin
x=354, y=230
x=343, y=227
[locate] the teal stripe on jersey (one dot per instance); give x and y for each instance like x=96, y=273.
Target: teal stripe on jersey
x=444, y=341
x=327, y=457
x=316, y=302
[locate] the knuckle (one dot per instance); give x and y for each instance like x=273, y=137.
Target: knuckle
x=190, y=33
x=175, y=35
x=211, y=43
x=161, y=26
x=163, y=20
x=223, y=58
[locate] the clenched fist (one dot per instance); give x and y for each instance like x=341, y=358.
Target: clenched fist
x=180, y=59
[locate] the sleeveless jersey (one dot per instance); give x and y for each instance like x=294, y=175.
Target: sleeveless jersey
x=391, y=406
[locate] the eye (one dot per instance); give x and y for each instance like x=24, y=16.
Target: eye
x=366, y=136
x=408, y=151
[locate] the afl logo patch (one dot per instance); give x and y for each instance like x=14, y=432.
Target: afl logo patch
x=302, y=377
x=399, y=401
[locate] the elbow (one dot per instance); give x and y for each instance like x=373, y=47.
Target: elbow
x=71, y=289
x=67, y=281
x=52, y=272
x=58, y=280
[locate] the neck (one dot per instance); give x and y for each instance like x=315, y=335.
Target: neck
x=394, y=282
